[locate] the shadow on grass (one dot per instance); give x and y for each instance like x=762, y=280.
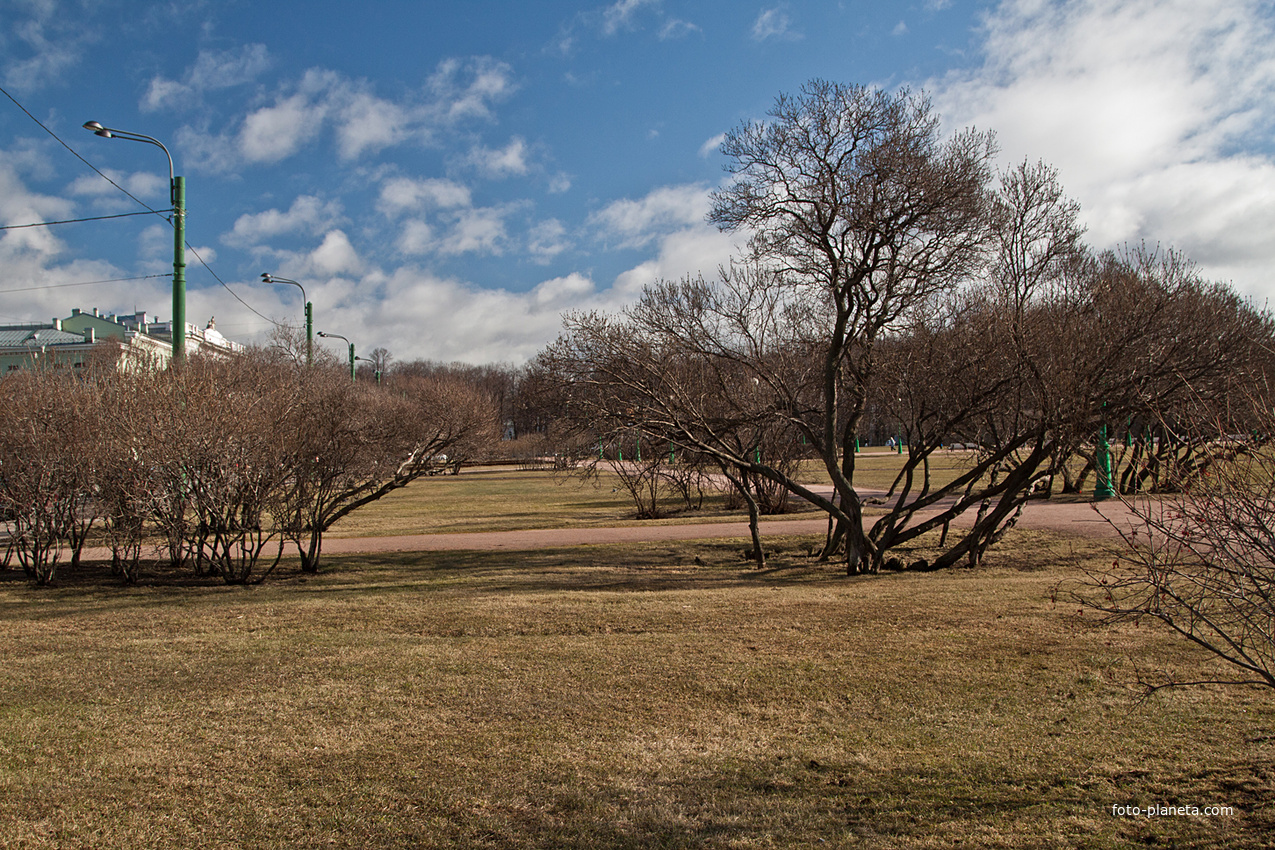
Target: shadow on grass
x=798, y=801
x=642, y=567
x=618, y=568
x=621, y=567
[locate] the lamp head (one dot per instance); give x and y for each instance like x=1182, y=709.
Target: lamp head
x=98, y=129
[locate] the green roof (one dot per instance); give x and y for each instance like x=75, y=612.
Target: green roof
x=27, y=338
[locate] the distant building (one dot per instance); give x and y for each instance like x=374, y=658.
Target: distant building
x=67, y=343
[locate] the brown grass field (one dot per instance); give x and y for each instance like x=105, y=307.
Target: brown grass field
x=663, y=695
x=505, y=499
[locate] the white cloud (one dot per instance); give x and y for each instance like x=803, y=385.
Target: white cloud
x=416, y=313
x=333, y=257
x=559, y=183
x=416, y=237
x=509, y=161
x=368, y=123
x=677, y=28
x=165, y=93
x=620, y=15
x=279, y=131
x=690, y=251
x=562, y=292
x=610, y=20
x=774, y=23
x=711, y=146
x=229, y=68
x=308, y=214
x=213, y=70
x=635, y=223
x=469, y=89
x=326, y=103
x=480, y=230
x=472, y=230
x=146, y=185
x=546, y=240
x=901, y=28
x=363, y=122
x=399, y=194
x=155, y=249
x=28, y=248
x=1156, y=112
x=54, y=41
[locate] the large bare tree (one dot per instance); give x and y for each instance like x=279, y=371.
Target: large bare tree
x=858, y=211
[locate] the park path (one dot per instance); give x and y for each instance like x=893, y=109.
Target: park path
x=1082, y=518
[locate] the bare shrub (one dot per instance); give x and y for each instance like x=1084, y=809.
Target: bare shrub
x=1201, y=562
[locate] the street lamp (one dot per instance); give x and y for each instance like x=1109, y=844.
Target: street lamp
x=375, y=371
x=266, y=277
x=338, y=336
x=177, y=196
x=1102, y=467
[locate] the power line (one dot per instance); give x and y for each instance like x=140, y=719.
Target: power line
x=74, y=220
x=135, y=198
x=81, y=283
x=76, y=153
x=227, y=287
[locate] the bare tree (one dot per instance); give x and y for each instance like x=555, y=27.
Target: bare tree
x=47, y=419
x=1202, y=562
x=233, y=409
x=860, y=211
x=611, y=379
x=380, y=358
x=349, y=445
x=127, y=485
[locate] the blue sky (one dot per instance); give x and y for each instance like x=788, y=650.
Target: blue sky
x=447, y=178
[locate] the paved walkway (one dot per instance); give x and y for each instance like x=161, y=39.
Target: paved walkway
x=1063, y=515
x=1073, y=517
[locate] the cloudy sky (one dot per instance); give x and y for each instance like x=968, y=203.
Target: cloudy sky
x=447, y=178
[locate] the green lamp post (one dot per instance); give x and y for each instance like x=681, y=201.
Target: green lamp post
x=347, y=342
x=266, y=277
x=1102, y=467
x=177, y=196
x=375, y=371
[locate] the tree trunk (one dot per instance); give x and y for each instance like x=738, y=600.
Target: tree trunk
x=759, y=554
x=311, y=552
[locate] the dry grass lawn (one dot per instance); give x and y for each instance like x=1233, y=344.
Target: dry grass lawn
x=607, y=697
x=505, y=499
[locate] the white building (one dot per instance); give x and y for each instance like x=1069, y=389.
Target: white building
x=67, y=343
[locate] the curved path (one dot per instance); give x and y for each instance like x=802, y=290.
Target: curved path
x=1079, y=517
x=1074, y=517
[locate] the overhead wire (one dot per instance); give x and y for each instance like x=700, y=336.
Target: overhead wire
x=77, y=155
x=74, y=220
x=81, y=283
x=192, y=250
x=140, y=202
